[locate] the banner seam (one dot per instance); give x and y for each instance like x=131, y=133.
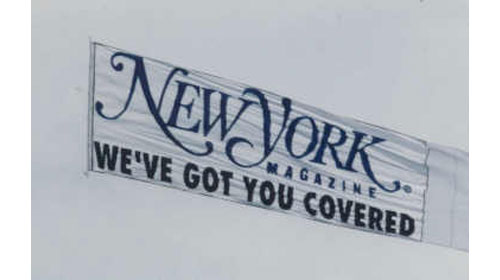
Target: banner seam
x=90, y=128
x=424, y=212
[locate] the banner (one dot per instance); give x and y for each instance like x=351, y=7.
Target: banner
x=184, y=129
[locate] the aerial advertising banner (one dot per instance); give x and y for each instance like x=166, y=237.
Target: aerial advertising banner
x=184, y=129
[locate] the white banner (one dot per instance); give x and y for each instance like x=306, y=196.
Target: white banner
x=184, y=129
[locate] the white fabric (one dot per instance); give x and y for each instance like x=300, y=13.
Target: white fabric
x=446, y=220
x=400, y=186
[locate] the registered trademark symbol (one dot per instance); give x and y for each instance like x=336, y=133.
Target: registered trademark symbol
x=407, y=189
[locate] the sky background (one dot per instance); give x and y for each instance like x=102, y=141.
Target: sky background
x=398, y=64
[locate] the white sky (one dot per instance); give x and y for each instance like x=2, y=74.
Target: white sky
x=397, y=64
